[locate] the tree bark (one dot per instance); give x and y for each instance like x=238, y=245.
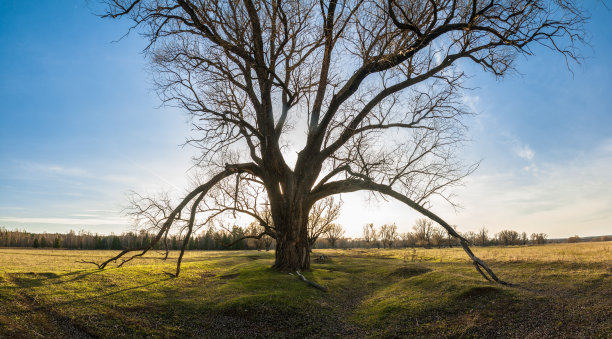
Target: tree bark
x=292, y=248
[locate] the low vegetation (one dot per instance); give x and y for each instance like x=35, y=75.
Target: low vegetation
x=561, y=290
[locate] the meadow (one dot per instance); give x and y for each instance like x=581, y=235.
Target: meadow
x=560, y=290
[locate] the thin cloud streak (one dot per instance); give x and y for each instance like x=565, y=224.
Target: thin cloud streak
x=65, y=221
x=562, y=199
x=53, y=169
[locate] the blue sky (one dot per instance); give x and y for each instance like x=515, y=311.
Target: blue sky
x=80, y=126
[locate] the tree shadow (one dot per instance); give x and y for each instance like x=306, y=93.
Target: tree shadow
x=42, y=279
x=38, y=279
x=114, y=292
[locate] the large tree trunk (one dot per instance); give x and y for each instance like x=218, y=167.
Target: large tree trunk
x=292, y=248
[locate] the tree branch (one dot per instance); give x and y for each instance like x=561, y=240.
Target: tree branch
x=352, y=185
x=200, y=191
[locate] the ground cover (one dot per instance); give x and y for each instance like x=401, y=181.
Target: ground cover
x=561, y=290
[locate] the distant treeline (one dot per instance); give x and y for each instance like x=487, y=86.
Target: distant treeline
x=424, y=235
x=207, y=240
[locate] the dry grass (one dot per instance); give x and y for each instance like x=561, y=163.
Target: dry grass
x=592, y=252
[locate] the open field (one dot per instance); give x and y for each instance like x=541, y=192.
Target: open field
x=562, y=290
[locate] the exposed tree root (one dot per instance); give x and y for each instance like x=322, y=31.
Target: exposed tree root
x=311, y=283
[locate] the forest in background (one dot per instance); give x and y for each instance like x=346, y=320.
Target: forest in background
x=427, y=236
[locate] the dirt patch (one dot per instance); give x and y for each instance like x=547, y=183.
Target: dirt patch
x=480, y=291
x=254, y=257
x=229, y=276
x=139, y=309
x=409, y=271
x=29, y=275
x=370, y=256
x=345, y=269
x=31, y=279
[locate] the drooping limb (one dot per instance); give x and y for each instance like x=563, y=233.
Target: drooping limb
x=352, y=185
x=194, y=208
x=478, y=263
x=199, y=192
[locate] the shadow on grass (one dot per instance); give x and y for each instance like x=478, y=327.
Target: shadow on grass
x=91, y=298
x=29, y=283
x=238, y=295
x=37, y=279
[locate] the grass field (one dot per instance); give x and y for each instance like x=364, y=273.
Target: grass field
x=562, y=290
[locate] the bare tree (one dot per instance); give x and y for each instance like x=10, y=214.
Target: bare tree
x=437, y=236
x=323, y=213
x=508, y=237
x=333, y=233
x=524, y=239
x=408, y=239
x=268, y=241
x=388, y=234
x=369, y=234
x=471, y=237
x=483, y=236
x=539, y=238
x=423, y=230
x=254, y=230
x=375, y=84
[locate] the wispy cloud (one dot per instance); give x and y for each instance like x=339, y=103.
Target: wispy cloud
x=101, y=211
x=12, y=208
x=472, y=102
x=565, y=197
x=66, y=221
x=522, y=151
x=72, y=172
x=78, y=215
x=149, y=170
x=525, y=152
x=54, y=169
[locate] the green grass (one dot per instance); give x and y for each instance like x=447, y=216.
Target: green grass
x=561, y=290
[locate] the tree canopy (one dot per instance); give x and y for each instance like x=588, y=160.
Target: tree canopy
x=292, y=102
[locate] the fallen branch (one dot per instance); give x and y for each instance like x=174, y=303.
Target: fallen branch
x=311, y=283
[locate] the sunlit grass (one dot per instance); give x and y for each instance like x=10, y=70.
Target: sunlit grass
x=560, y=288
x=600, y=252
